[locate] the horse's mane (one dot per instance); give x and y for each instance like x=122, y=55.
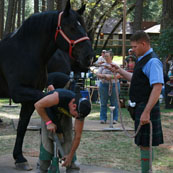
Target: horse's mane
x=38, y=22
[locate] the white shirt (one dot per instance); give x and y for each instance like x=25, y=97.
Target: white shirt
x=100, y=59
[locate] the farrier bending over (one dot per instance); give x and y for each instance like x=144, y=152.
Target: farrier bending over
x=146, y=85
x=79, y=110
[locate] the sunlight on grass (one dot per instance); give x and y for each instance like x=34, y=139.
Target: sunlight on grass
x=94, y=115
x=7, y=137
x=118, y=60
x=9, y=115
x=4, y=101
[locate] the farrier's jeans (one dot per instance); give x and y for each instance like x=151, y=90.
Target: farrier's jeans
x=104, y=96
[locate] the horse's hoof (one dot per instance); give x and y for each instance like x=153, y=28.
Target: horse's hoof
x=23, y=166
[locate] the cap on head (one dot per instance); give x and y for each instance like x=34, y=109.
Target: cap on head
x=103, y=51
x=83, y=108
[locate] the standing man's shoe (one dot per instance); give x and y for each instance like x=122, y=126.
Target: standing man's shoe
x=115, y=122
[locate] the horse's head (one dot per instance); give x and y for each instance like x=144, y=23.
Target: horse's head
x=71, y=36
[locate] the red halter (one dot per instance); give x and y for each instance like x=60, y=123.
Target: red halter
x=71, y=42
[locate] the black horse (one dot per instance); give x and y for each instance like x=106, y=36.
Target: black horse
x=59, y=62
x=24, y=57
x=61, y=59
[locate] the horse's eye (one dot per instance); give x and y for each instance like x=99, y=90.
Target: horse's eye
x=78, y=23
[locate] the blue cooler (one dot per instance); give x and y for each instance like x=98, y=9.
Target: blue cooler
x=85, y=94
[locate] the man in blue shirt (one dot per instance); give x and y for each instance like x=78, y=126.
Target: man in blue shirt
x=146, y=85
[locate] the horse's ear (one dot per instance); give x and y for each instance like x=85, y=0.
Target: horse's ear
x=67, y=8
x=82, y=9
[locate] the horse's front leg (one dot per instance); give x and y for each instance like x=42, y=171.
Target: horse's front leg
x=25, y=115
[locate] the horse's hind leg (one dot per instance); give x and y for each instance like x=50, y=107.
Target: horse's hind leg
x=66, y=123
x=25, y=115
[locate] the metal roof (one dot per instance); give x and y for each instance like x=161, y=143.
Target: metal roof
x=111, y=22
x=154, y=29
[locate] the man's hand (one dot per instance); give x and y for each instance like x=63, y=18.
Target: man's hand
x=51, y=127
x=101, y=62
x=113, y=67
x=145, y=118
x=67, y=160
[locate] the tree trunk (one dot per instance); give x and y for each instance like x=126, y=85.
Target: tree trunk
x=138, y=15
x=50, y=5
x=1, y=18
x=167, y=14
x=82, y=2
x=36, y=7
x=60, y=4
x=14, y=15
x=23, y=10
x=8, y=25
x=43, y=5
x=19, y=14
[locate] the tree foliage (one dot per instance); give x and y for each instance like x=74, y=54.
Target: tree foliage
x=152, y=10
x=165, y=43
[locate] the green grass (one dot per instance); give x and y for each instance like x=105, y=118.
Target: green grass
x=4, y=101
x=108, y=149
x=118, y=60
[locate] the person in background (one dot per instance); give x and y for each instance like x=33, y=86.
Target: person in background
x=130, y=61
x=170, y=72
x=101, y=59
x=107, y=89
x=146, y=85
x=131, y=64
